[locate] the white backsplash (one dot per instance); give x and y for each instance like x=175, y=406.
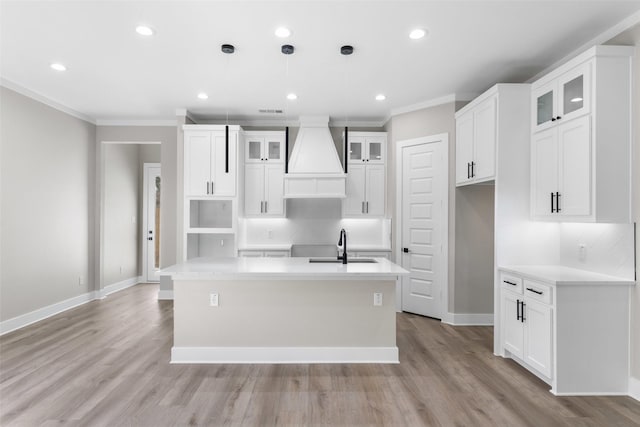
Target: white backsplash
x=608, y=248
x=314, y=221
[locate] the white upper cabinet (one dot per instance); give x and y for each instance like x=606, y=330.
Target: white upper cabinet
x=366, y=175
x=264, y=174
x=264, y=147
x=367, y=148
x=581, y=140
x=476, y=141
x=210, y=161
x=562, y=99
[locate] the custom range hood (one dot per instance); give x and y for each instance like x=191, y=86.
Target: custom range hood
x=315, y=170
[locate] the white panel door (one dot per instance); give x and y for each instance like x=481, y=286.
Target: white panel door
x=511, y=325
x=484, y=163
x=464, y=147
x=223, y=175
x=253, y=189
x=274, y=189
x=374, y=202
x=574, y=144
x=537, y=346
x=544, y=168
x=422, y=232
x=198, y=163
x=354, y=203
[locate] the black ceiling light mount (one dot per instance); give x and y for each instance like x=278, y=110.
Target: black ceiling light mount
x=346, y=50
x=228, y=48
x=287, y=49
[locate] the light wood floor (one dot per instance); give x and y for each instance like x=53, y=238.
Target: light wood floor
x=106, y=363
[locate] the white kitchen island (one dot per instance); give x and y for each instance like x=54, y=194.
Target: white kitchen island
x=284, y=310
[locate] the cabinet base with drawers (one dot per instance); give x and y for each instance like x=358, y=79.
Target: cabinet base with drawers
x=569, y=327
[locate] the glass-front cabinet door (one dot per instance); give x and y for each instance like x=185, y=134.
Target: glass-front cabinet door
x=544, y=107
x=574, y=97
x=375, y=149
x=356, y=150
x=273, y=149
x=254, y=149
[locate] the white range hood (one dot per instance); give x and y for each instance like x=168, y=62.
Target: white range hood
x=315, y=170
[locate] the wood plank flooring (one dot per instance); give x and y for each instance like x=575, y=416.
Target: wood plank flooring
x=106, y=363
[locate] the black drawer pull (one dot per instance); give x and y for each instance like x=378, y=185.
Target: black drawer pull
x=510, y=283
x=534, y=291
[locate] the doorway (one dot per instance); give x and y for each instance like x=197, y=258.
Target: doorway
x=422, y=230
x=151, y=222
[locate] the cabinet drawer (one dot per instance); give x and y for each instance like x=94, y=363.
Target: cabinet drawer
x=538, y=291
x=511, y=282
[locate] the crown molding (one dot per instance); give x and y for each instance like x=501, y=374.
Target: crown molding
x=45, y=100
x=462, y=96
x=141, y=122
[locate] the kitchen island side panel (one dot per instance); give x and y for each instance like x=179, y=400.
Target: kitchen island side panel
x=284, y=313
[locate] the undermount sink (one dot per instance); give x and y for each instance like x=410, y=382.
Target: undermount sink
x=349, y=260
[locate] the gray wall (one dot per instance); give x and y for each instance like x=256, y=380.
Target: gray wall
x=167, y=136
x=47, y=205
x=469, y=291
x=122, y=197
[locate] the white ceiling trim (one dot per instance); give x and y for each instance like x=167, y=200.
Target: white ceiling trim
x=603, y=37
x=431, y=103
x=151, y=122
x=46, y=101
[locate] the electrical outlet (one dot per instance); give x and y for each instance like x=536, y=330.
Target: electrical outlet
x=80, y=280
x=269, y=234
x=377, y=298
x=213, y=300
x=582, y=252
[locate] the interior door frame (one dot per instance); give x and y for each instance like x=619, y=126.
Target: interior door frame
x=400, y=145
x=145, y=226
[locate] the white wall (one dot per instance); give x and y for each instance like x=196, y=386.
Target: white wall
x=47, y=205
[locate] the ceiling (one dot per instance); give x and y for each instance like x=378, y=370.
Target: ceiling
x=114, y=74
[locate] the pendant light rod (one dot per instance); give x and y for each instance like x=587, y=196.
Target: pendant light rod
x=228, y=49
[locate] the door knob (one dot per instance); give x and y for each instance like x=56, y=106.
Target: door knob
x=150, y=238
x=405, y=250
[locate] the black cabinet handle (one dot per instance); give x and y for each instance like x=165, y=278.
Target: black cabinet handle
x=552, y=211
x=522, y=305
x=534, y=291
x=557, y=202
x=473, y=164
x=509, y=283
x=517, y=309
x=468, y=170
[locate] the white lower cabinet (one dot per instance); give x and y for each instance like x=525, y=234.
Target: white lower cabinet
x=569, y=327
x=526, y=327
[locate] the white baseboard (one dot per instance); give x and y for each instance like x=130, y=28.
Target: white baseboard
x=162, y=295
x=634, y=388
x=21, y=321
x=468, y=319
x=284, y=355
x=115, y=287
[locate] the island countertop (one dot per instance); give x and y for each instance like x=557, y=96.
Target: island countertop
x=294, y=268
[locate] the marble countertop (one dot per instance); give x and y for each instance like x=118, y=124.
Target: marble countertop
x=561, y=275
x=281, y=268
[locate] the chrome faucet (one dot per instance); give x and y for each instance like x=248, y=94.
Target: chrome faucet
x=343, y=234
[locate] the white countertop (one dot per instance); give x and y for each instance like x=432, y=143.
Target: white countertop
x=561, y=275
x=281, y=268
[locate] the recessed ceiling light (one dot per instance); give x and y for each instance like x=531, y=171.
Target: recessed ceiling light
x=418, y=33
x=283, y=32
x=58, y=67
x=292, y=96
x=577, y=99
x=143, y=30
x=203, y=95
x=380, y=97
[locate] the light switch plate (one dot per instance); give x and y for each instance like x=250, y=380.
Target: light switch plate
x=213, y=300
x=377, y=298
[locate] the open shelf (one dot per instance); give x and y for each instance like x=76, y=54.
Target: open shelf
x=211, y=215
